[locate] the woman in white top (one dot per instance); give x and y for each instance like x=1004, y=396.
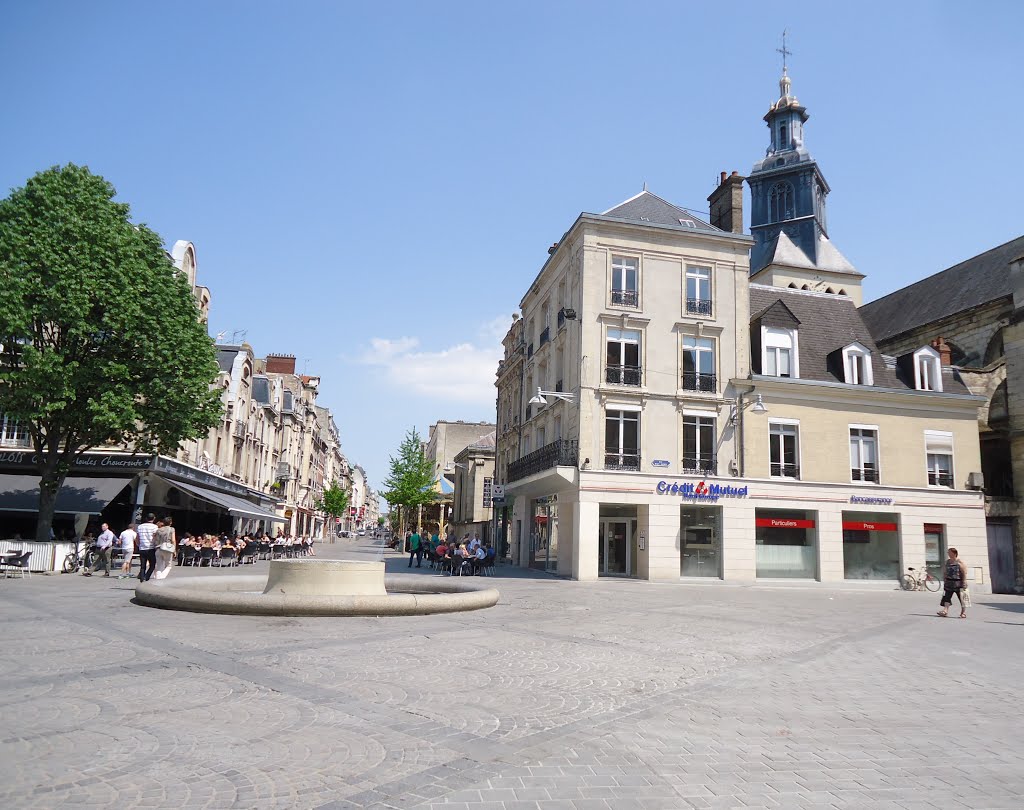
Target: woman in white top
x=166, y=548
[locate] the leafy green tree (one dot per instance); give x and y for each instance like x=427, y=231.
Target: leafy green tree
x=334, y=502
x=102, y=339
x=411, y=481
x=381, y=521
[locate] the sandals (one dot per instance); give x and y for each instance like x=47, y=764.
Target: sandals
x=942, y=613
x=963, y=614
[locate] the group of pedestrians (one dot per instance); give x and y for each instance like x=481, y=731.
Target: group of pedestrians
x=155, y=539
x=434, y=548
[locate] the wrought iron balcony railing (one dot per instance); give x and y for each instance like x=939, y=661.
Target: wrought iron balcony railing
x=864, y=474
x=545, y=336
x=696, y=381
x=940, y=479
x=623, y=375
x=626, y=298
x=622, y=461
x=698, y=306
x=529, y=350
x=704, y=464
x=561, y=318
x=560, y=453
x=782, y=470
x=558, y=386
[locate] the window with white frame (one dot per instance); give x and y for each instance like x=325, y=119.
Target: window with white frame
x=625, y=277
x=927, y=369
x=621, y=439
x=784, y=449
x=622, y=366
x=938, y=446
x=779, y=352
x=14, y=433
x=699, y=443
x=699, y=364
x=698, y=291
x=857, y=365
x=864, y=453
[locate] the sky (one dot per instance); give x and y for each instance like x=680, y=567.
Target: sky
x=372, y=187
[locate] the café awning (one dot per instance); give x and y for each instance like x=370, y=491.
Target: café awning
x=20, y=493
x=239, y=507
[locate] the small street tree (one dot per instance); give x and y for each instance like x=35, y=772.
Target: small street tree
x=411, y=480
x=101, y=338
x=334, y=504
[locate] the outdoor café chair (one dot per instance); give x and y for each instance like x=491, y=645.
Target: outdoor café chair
x=19, y=564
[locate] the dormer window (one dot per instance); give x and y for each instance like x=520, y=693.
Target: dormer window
x=779, y=355
x=927, y=369
x=857, y=365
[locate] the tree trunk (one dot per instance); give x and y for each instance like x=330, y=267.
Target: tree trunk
x=49, y=485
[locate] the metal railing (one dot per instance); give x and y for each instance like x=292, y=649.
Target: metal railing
x=696, y=381
x=704, y=464
x=698, y=306
x=622, y=461
x=561, y=318
x=626, y=298
x=783, y=470
x=623, y=375
x=864, y=474
x=940, y=479
x=560, y=453
x=529, y=350
x=558, y=386
x=545, y=336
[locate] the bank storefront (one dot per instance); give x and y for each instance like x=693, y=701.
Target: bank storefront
x=647, y=527
x=117, y=488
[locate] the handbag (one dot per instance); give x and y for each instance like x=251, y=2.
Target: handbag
x=166, y=539
x=965, y=596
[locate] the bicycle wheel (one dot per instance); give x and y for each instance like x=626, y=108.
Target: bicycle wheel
x=70, y=564
x=931, y=583
x=908, y=583
x=90, y=559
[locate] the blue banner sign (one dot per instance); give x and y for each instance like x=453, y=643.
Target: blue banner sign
x=701, y=491
x=659, y=462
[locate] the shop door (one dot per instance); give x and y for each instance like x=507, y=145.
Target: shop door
x=614, y=548
x=1000, y=557
x=934, y=549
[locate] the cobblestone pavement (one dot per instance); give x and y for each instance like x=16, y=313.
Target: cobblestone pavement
x=586, y=696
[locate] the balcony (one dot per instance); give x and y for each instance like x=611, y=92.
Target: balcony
x=284, y=471
x=703, y=464
x=622, y=461
x=869, y=474
x=940, y=479
x=560, y=453
x=561, y=318
x=545, y=336
x=529, y=350
x=698, y=306
x=622, y=375
x=238, y=432
x=558, y=387
x=696, y=381
x=626, y=298
x=782, y=470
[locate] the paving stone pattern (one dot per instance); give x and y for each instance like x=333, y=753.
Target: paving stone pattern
x=586, y=696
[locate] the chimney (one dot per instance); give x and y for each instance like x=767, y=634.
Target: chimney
x=940, y=345
x=727, y=203
x=280, y=363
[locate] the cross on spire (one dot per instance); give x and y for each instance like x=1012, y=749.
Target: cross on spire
x=783, y=50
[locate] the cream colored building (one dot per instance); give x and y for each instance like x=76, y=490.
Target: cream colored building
x=686, y=423
x=473, y=489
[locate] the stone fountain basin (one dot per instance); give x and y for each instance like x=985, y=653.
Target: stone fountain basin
x=317, y=588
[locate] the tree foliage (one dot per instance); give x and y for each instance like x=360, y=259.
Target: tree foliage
x=411, y=479
x=334, y=501
x=102, y=342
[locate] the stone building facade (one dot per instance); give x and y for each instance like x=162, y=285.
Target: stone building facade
x=473, y=489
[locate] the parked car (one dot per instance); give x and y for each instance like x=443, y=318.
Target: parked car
x=362, y=532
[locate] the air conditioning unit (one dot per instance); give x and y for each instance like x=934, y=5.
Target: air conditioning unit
x=284, y=471
x=975, y=480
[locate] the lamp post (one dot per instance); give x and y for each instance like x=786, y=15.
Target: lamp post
x=736, y=420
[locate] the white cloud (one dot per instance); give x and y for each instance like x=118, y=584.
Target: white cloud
x=462, y=373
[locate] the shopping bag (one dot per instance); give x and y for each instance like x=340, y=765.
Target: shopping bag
x=965, y=595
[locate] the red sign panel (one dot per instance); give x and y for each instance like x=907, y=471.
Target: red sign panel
x=858, y=525
x=784, y=523
x=933, y=528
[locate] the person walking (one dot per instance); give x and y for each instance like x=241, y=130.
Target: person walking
x=104, y=543
x=127, y=538
x=954, y=581
x=166, y=548
x=414, y=549
x=147, y=547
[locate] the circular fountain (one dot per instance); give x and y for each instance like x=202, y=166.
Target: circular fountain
x=311, y=587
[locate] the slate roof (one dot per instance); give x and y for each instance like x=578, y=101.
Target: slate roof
x=226, y=356
x=979, y=280
x=647, y=207
x=784, y=251
x=829, y=323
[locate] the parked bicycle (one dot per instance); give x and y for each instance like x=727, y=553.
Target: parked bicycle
x=919, y=580
x=78, y=559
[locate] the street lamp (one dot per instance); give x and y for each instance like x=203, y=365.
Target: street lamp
x=539, y=397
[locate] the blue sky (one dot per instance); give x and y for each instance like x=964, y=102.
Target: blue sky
x=372, y=187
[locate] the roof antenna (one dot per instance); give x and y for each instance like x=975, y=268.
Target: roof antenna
x=645, y=185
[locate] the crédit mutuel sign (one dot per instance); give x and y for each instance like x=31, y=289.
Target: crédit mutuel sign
x=701, y=491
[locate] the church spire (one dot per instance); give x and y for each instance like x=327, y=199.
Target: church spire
x=784, y=82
